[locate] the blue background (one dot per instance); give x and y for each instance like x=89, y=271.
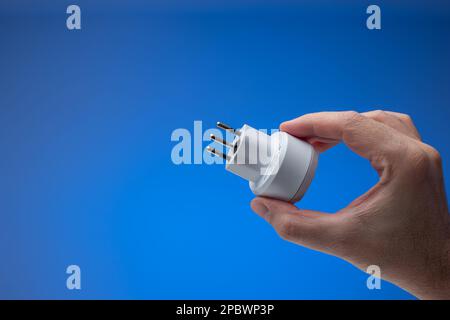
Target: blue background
x=86, y=117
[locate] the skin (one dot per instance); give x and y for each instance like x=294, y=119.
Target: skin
x=401, y=224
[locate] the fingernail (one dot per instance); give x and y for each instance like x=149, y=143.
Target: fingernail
x=260, y=209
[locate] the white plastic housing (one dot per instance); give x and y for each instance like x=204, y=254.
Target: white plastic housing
x=278, y=166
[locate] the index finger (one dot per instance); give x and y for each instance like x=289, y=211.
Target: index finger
x=366, y=137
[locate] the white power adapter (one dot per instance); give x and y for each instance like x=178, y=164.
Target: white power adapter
x=278, y=166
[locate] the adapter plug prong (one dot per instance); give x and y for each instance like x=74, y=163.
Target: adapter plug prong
x=217, y=153
x=221, y=141
x=226, y=127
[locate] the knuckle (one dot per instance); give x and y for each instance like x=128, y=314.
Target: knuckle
x=379, y=114
x=352, y=117
x=286, y=229
x=435, y=156
x=423, y=160
x=418, y=162
x=406, y=118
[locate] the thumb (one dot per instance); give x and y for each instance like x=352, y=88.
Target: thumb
x=312, y=229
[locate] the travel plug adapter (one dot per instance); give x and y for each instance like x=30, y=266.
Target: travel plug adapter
x=278, y=166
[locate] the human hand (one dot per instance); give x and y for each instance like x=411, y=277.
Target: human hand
x=401, y=224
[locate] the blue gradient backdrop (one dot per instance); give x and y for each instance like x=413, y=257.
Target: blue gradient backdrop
x=86, y=117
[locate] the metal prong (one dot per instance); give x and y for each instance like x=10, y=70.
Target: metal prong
x=217, y=153
x=221, y=141
x=228, y=128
